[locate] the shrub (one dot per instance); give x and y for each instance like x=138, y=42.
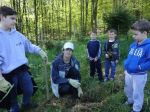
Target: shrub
x=54, y=44
x=120, y=20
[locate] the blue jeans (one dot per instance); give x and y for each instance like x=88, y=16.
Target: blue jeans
x=24, y=81
x=110, y=65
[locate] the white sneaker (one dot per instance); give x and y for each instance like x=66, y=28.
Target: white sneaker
x=106, y=79
x=112, y=79
x=135, y=111
x=127, y=103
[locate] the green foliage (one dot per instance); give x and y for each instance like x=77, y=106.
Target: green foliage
x=120, y=20
x=51, y=44
x=115, y=103
x=123, y=46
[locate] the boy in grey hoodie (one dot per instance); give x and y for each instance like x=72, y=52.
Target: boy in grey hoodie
x=13, y=60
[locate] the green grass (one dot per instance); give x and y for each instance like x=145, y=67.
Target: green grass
x=98, y=97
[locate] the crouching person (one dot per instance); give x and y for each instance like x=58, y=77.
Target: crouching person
x=65, y=75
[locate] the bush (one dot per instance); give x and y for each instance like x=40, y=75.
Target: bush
x=120, y=20
x=54, y=44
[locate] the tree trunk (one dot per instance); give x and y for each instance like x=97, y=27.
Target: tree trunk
x=70, y=21
x=36, y=21
x=94, y=14
x=52, y=19
x=86, y=15
x=66, y=15
x=81, y=21
x=58, y=23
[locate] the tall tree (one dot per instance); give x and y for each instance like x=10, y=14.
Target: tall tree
x=82, y=17
x=94, y=14
x=70, y=18
x=58, y=20
x=86, y=14
x=36, y=21
x=52, y=19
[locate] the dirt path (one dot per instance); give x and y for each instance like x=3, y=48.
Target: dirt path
x=66, y=104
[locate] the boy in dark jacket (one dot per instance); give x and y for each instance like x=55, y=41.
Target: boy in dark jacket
x=111, y=50
x=94, y=54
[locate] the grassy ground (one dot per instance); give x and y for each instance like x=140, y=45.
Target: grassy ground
x=98, y=97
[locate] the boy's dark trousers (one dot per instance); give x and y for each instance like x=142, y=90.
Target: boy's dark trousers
x=96, y=66
x=66, y=88
x=20, y=77
x=110, y=64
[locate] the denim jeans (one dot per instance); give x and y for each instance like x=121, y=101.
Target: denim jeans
x=110, y=65
x=24, y=81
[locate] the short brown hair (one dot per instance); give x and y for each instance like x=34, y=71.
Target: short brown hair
x=113, y=30
x=141, y=25
x=6, y=11
x=94, y=31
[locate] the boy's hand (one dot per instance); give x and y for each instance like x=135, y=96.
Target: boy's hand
x=139, y=67
x=116, y=61
x=95, y=59
x=43, y=55
x=106, y=55
x=91, y=58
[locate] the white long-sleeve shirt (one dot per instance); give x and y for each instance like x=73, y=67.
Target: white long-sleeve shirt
x=13, y=46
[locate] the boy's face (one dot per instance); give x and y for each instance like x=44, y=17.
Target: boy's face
x=112, y=35
x=67, y=53
x=93, y=35
x=8, y=22
x=139, y=36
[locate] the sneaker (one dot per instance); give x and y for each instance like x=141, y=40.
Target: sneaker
x=112, y=79
x=92, y=77
x=106, y=79
x=134, y=111
x=12, y=111
x=101, y=81
x=14, y=108
x=128, y=104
